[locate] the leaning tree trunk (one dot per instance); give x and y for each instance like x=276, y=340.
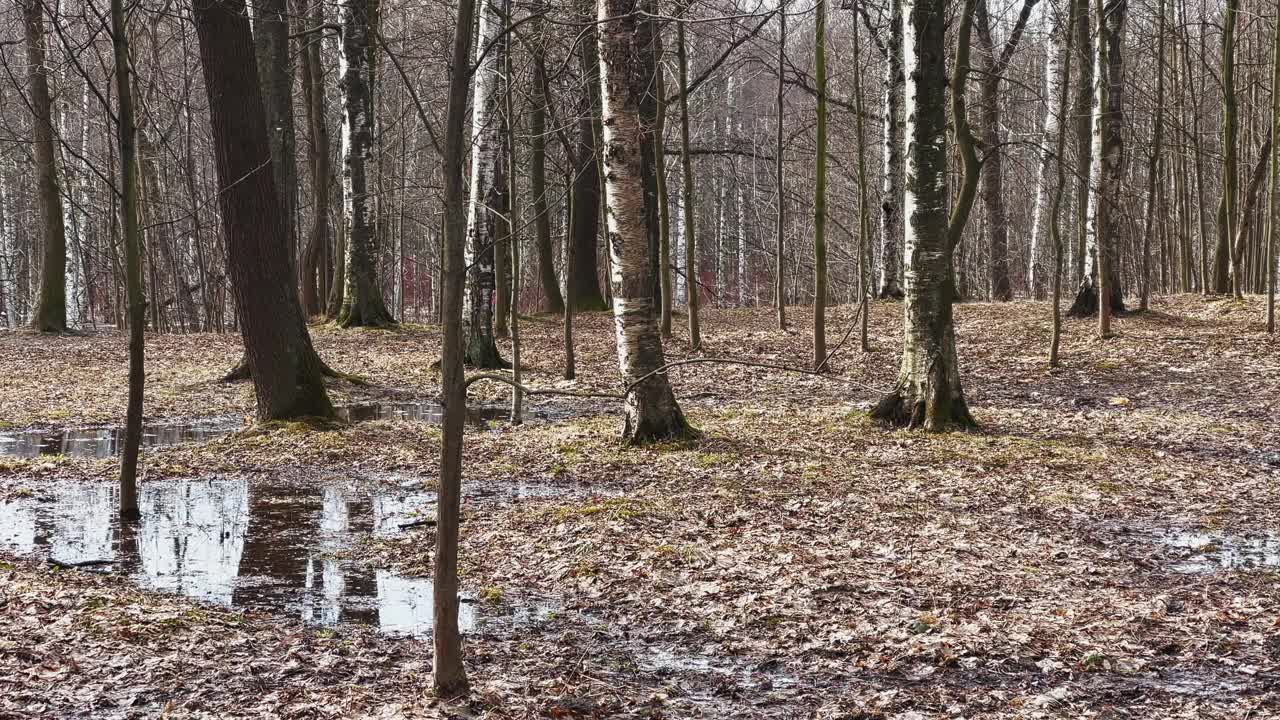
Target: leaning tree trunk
x=488, y=195
x=928, y=393
x=1246, y=217
x=1106, y=171
x=1230, y=154
x=586, y=187
x=51, y=310
x=362, y=302
x=891, y=199
x=284, y=366
x=628, y=49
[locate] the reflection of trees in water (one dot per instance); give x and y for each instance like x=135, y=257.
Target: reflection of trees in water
x=192, y=537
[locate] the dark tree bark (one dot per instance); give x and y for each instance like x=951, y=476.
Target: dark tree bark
x=284, y=366
x=586, y=188
x=271, y=47
x=553, y=301
x=448, y=675
x=51, y=310
x=127, y=136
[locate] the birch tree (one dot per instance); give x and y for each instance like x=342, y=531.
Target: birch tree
x=628, y=50
x=362, y=302
x=1056, y=61
x=894, y=169
x=928, y=392
x=488, y=194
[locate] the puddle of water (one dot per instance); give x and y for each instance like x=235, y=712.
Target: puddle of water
x=105, y=442
x=1206, y=552
x=255, y=547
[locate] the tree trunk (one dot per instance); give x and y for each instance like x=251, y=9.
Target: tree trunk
x=993, y=162
x=779, y=278
x=628, y=49
x=488, y=196
x=362, y=302
x=820, y=192
x=690, y=209
x=126, y=130
x=449, y=677
x=1055, y=225
x=1227, y=204
x=586, y=191
x=271, y=46
x=894, y=168
x=928, y=393
x=1056, y=64
x=1106, y=172
x=1270, y=257
x=1084, y=135
x=51, y=311
x=1153, y=167
x=553, y=300
x=1246, y=217
x=286, y=371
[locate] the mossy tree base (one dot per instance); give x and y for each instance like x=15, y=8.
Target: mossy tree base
x=482, y=354
x=372, y=314
x=655, y=422
x=935, y=407
x=1085, y=304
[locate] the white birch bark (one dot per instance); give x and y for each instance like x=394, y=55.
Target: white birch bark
x=627, y=57
x=1055, y=63
x=8, y=239
x=892, y=199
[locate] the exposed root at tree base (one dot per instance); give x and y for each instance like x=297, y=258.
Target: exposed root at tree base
x=905, y=410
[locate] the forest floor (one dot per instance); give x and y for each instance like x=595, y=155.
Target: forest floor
x=1108, y=546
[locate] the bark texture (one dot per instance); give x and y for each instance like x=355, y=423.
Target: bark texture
x=488, y=196
x=586, y=185
x=285, y=369
x=362, y=302
x=894, y=168
x=628, y=48
x=51, y=309
x=928, y=393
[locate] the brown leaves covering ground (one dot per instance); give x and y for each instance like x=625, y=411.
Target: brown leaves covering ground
x=797, y=561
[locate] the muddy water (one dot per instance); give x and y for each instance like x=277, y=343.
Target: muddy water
x=105, y=442
x=1205, y=552
x=277, y=549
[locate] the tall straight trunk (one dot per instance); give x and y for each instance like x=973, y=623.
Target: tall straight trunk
x=362, y=302
x=587, y=201
x=1101, y=277
x=126, y=134
x=51, y=309
x=928, y=393
x=1274, y=184
x=1055, y=225
x=865, y=291
x=500, y=200
x=689, y=195
x=779, y=278
x=1153, y=165
x=997, y=220
x=285, y=369
x=488, y=194
x=315, y=281
x=1227, y=203
x=1084, y=134
x=449, y=677
x=628, y=51
x=664, y=211
x=553, y=301
x=8, y=254
x=894, y=159
x=1055, y=71
x=271, y=46
x=820, y=192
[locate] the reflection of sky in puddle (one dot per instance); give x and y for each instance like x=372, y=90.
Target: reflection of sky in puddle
x=216, y=540
x=1204, y=552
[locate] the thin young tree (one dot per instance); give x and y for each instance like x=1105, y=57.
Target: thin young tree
x=628, y=49
x=1270, y=258
x=449, y=677
x=51, y=309
x=690, y=192
x=285, y=368
x=126, y=132
x=928, y=393
x=1154, y=163
x=779, y=279
x=1063, y=94
x=820, y=191
x=553, y=300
